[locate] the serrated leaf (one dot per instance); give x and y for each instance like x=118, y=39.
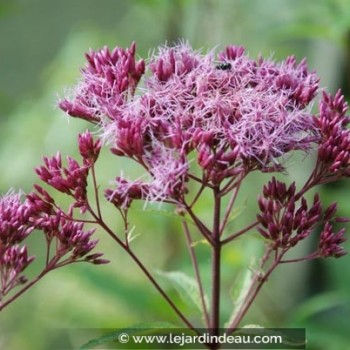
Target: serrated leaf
x=201, y=241
x=139, y=329
x=252, y=326
x=186, y=286
x=235, y=213
x=240, y=291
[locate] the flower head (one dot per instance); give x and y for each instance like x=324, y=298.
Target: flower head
x=238, y=114
x=107, y=79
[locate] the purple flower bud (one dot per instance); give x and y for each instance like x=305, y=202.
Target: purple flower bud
x=71, y=180
x=330, y=211
x=14, y=219
x=330, y=242
x=13, y=261
x=334, y=145
x=286, y=222
x=342, y=219
x=106, y=80
x=89, y=149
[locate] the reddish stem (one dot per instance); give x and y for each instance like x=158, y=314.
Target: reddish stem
x=216, y=266
x=143, y=268
x=240, y=232
x=254, y=291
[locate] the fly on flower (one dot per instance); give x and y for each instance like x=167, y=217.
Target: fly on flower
x=224, y=66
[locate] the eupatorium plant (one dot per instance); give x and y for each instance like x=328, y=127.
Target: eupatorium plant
x=186, y=117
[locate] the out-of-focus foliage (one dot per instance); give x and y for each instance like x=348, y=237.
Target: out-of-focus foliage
x=42, y=45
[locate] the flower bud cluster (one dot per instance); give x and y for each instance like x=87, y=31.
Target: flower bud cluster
x=60, y=228
x=285, y=219
x=107, y=79
x=330, y=242
x=334, y=145
x=71, y=180
x=88, y=148
x=14, y=229
x=40, y=212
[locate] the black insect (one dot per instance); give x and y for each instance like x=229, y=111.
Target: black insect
x=224, y=66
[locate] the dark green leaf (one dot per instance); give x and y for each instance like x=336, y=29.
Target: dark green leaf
x=140, y=329
x=186, y=286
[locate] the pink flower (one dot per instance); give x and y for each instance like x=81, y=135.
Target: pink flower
x=88, y=148
x=15, y=227
x=107, y=80
x=230, y=113
x=334, y=145
x=13, y=261
x=14, y=219
x=71, y=180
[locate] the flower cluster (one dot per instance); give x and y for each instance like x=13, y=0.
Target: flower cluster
x=330, y=242
x=186, y=117
x=66, y=239
x=89, y=148
x=14, y=229
x=286, y=219
x=60, y=228
x=239, y=114
x=334, y=144
x=107, y=80
x=72, y=180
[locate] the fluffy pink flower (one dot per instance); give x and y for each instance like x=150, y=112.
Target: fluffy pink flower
x=236, y=113
x=107, y=80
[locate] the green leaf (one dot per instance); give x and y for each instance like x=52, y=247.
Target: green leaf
x=235, y=213
x=252, y=326
x=186, y=286
x=139, y=329
x=201, y=241
x=240, y=291
x=318, y=304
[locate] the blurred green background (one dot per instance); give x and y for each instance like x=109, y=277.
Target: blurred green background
x=42, y=45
